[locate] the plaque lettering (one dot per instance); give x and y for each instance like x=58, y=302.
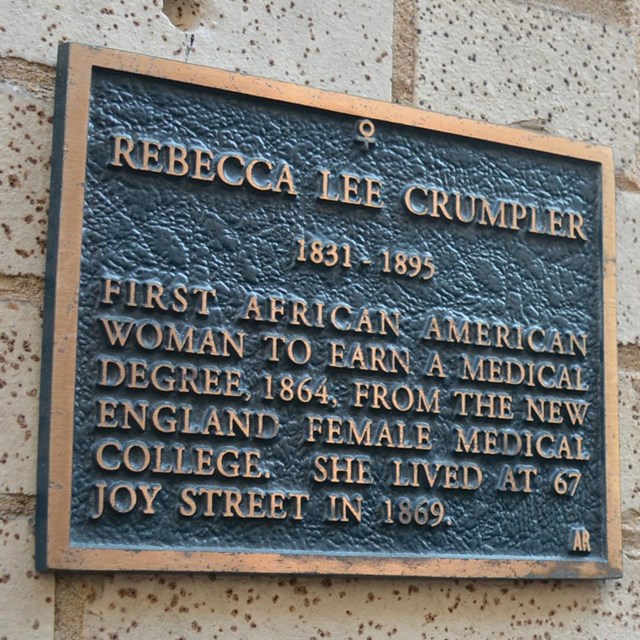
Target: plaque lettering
x=294, y=331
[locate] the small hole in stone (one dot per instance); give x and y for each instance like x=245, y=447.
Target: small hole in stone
x=186, y=15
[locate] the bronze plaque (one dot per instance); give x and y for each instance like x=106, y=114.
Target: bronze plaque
x=288, y=330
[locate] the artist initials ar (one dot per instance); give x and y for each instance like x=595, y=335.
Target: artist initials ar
x=579, y=541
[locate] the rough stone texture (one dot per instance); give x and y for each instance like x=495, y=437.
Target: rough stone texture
x=629, y=461
x=510, y=62
x=515, y=63
x=25, y=136
x=614, y=11
x=628, y=252
x=72, y=593
x=290, y=609
x=404, y=51
x=27, y=597
x=336, y=44
x=20, y=345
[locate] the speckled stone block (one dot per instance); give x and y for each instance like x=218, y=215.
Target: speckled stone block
x=26, y=597
x=20, y=345
x=524, y=64
x=629, y=462
x=614, y=11
x=313, y=608
x=25, y=137
x=629, y=418
x=628, y=263
x=337, y=44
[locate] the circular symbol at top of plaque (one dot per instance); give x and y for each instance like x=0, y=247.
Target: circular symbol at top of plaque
x=366, y=128
x=366, y=131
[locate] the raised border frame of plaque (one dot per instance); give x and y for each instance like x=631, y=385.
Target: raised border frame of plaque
x=54, y=550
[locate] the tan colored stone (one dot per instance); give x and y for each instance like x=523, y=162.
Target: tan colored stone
x=529, y=65
x=629, y=358
x=26, y=597
x=613, y=11
x=628, y=263
x=72, y=593
x=293, y=608
x=20, y=346
x=405, y=37
x=629, y=418
x=336, y=44
x=25, y=136
x=269, y=38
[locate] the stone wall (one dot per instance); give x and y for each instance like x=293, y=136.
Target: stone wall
x=565, y=67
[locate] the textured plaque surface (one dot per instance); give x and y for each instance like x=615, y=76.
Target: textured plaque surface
x=294, y=331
